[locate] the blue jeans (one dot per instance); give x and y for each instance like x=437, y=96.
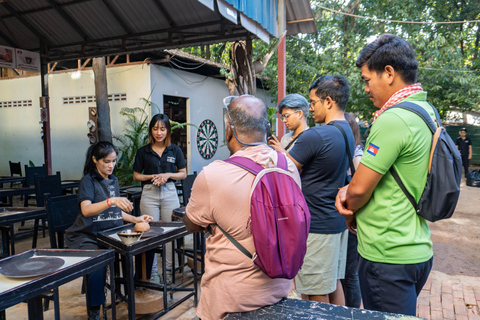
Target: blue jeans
x=392, y=287
x=351, y=285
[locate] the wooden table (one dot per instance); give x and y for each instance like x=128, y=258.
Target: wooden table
x=293, y=309
x=78, y=263
x=172, y=231
x=10, y=179
x=11, y=215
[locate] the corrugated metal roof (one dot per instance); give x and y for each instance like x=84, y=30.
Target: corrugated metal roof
x=72, y=29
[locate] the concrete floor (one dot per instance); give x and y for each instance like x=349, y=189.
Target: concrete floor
x=72, y=302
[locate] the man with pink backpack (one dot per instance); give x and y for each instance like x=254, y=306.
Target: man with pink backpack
x=226, y=201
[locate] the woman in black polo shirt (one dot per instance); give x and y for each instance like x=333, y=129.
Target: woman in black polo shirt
x=157, y=165
x=101, y=208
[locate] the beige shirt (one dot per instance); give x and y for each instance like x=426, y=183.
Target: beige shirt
x=232, y=282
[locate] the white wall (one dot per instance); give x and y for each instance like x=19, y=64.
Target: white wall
x=20, y=130
x=205, y=100
x=20, y=140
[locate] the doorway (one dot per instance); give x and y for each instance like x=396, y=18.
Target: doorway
x=176, y=110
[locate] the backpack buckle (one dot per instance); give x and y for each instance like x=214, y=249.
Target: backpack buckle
x=254, y=256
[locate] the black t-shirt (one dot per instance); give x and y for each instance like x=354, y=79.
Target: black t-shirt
x=463, y=145
x=147, y=161
x=96, y=189
x=322, y=152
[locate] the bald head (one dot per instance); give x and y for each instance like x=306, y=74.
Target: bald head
x=249, y=116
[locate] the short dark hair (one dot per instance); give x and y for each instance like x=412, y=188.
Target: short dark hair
x=390, y=49
x=464, y=129
x=294, y=101
x=163, y=118
x=333, y=86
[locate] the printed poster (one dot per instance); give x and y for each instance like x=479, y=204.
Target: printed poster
x=7, y=57
x=28, y=60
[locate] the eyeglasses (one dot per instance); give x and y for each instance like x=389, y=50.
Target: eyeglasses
x=285, y=116
x=313, y=103
x=226, y=102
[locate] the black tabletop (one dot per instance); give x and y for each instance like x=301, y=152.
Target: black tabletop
x=293, y=309
x=18, y=214
x=77, y=264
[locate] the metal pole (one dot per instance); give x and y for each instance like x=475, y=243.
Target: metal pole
x=45, y=110
x=282, y=64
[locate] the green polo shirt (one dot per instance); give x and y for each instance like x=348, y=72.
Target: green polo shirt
x=389, y=229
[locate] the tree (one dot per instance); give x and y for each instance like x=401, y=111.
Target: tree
x=101, y=94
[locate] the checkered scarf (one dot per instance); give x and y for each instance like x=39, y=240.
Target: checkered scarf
x=399, y=95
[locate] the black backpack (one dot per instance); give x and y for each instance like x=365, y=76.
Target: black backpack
x=440, y=196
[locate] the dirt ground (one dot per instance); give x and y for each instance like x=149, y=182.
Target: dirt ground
x=456, y=241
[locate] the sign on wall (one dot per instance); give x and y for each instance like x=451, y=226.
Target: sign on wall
x=15, y=58
x=7, y=57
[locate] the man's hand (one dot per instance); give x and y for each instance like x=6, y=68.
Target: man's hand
x=351, y=223
x=341, y=202
x=192, y=227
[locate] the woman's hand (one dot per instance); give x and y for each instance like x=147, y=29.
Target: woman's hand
x=160, y=179
x=122, y=203
x=144, y=218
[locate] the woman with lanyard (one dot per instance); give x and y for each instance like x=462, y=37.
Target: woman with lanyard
x=101, y=208
x=157, y=165
x=293, y=110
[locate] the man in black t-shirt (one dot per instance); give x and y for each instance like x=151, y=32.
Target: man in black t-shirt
x=464, y=145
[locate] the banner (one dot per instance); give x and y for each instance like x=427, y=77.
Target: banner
x=7, y=57
x=28, y=60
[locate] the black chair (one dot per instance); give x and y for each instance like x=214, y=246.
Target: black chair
x=187, y=184
x=51, y=185
x=61, y=214
x=15, y=170
x=30, y=173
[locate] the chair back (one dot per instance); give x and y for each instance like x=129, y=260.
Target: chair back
x=61, y=214
x=30, y=173
x=51, y=185
x=187, y=184
x=15, y=168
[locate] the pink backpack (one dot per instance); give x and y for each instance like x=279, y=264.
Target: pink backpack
x=279, y=219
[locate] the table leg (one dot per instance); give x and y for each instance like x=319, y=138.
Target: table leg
x=35, y=233
x=164, y=275
x=195, y=275
x=2, y=315
x=12, y=239
x=35, y=310
x=130, y=288
x=112, y=290
x=56, y=304
x=5, y=243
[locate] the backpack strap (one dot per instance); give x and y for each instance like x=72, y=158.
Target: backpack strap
x=347, y=146
x=422, y=113
x=236, y=243
x=254, y=167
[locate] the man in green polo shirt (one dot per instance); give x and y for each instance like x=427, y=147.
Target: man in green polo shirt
x=393, y=241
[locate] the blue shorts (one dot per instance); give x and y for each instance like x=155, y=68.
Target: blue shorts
x=392, y=287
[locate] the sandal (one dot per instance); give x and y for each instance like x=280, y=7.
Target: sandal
x=169, y=277
x=155, y=278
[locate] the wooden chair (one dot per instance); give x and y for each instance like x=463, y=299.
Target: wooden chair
x=15, y=170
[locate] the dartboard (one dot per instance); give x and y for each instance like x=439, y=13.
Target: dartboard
x=207, y=139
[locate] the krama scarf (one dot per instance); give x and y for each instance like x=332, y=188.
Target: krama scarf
x=399, y=95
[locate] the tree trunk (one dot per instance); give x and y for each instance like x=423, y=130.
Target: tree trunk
x=101, y=94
